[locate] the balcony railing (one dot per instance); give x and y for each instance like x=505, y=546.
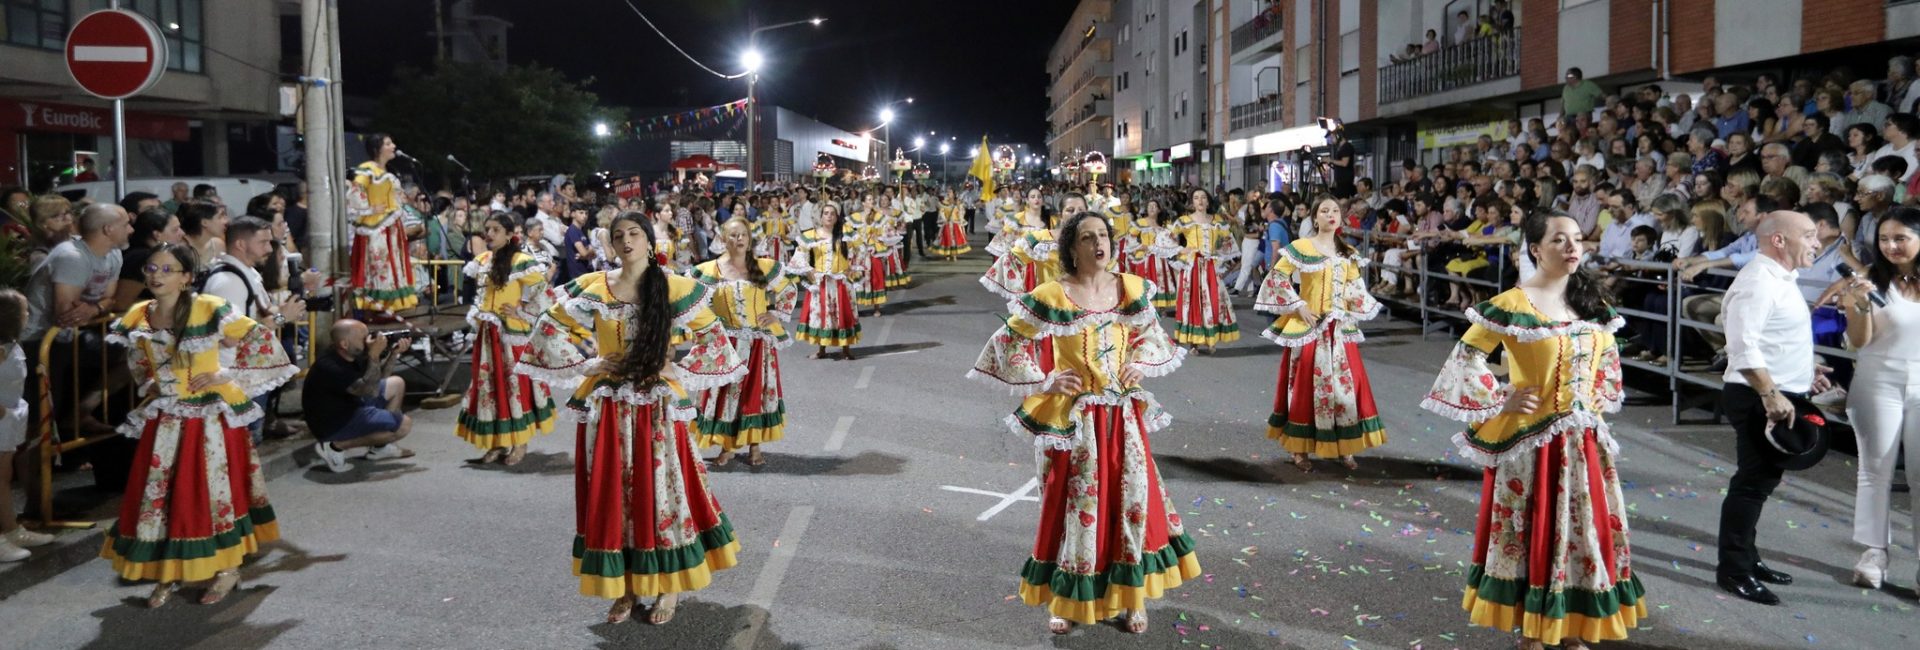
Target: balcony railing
x=1258, y=28
x=1477, y=61
x=1256, y=113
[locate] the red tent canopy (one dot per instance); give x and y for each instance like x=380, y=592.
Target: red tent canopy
x=696, y=161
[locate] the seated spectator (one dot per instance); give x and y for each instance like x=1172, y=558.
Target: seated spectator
x=1616, y=241
x=1891, y=167
x=1815, y=140
x=1871, y=201
x=1899, y=129
x=353, y=399
x=1866, y=110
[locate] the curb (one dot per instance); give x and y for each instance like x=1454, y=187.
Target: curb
x=72, y=549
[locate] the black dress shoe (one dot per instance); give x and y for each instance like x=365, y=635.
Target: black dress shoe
x=1748, y=588
x=1770, y=576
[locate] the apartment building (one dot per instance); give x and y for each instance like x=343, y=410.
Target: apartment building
x=1081, y=85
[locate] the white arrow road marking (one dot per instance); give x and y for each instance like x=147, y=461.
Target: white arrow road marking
x=109, y=54
x=1006, y=500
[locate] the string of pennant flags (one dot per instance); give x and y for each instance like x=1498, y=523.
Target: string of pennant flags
x=686, y=121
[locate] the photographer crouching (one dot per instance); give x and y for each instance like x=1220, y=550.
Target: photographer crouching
x=352, y=397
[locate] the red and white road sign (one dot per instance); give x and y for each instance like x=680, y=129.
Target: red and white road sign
x=115, y=54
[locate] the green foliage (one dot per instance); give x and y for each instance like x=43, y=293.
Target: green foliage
x=517, y=121
x=13, y=261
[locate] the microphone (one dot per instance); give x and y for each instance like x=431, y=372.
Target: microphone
x=403, y=154
x=1878, y=299
x=456, y=161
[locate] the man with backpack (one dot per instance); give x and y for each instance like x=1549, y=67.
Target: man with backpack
x=234, y=277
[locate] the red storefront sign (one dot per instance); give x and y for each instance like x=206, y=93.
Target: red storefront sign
x=67, y=118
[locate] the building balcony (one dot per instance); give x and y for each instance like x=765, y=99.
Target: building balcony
x=1269, y=110
x=1456, y=67
x=1262, y=33
x=1090, y=113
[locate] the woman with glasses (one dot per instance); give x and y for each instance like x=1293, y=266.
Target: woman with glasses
x=196, y=502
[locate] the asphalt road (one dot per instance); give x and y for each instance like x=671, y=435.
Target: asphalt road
x=898, y=510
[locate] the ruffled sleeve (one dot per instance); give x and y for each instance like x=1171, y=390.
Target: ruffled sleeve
x=260, y=363
x=1466, y=389
x=556, y=357
x=536, y=296
x=1277, y=293
x=1153, y=354
x=477, y=267
x=711, y=360
x=1011, y=359
x=801, y=261
x=1007, y=277
x=1354, y=298
x=122, y=332
x=1607, y=384
x=783, y=293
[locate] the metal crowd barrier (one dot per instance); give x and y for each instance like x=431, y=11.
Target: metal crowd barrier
x=49, y=443
x=1673, y=324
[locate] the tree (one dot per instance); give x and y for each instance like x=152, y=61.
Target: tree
x=516, y=121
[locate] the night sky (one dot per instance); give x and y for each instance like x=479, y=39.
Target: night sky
x=972, y=67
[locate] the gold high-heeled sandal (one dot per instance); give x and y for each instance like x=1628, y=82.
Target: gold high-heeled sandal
x=622, y=609
x=223, y=584
x=162, y=593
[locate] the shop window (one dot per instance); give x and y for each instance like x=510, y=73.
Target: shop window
x=180, y=21
x=34, y=23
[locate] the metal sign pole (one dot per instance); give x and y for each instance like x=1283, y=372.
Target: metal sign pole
x=119, y=149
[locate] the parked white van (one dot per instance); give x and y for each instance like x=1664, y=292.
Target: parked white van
x=234, y=191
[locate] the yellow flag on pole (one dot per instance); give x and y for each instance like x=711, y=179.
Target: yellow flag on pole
x=983, y=170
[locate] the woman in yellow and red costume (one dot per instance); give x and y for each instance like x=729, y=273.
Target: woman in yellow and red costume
x=382, y=273
x=504, y=409
x=1109, y=538
x=646, y=522
x=1323, y=404
x=752, y=296
x=196, y=501
x=1550, y=553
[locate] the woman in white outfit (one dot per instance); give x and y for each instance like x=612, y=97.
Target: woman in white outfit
x=14, y=539
x=1884, y=400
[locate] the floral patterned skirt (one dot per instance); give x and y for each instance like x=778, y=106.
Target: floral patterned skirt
x=827, y=314
x=1203, y=313
x=503, y=409
x=1550, y=551
x=1109, y=538
x=196, y=502
x=953, y=239
x=1323, y=404
x=1164, y=277
x=646, y=523
x=873, y=287
x=897, y=275
x=749, y=411
x=382, y=273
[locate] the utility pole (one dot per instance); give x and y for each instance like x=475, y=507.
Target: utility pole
x=320, y=128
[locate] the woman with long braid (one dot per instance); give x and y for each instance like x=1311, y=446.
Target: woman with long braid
x=646, y=523
x=504, y=409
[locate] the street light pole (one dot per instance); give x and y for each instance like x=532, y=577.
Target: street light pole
x=751, y=60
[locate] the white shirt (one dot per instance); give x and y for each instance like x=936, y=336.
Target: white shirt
x=1896, y=332
x=233, y=287
x=1617, y=241
x=803, y=215
x=13, y=387
x=551, y=229
x=1769, y=326
x=1905, y=153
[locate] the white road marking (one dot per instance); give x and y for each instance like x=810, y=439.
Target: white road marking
x=109, y=54
x=839, y=436
x=1006, y=500
x=886, y=332
x=894, y=353
x=866, y=376
x=767, y=585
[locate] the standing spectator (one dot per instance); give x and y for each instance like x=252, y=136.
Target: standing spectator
x=576, y=250
x=74, y=284
x=14, y=539
x=1769, y=358
x=180, y=197
x=1883, y=394
x=1342, y=161
x=1463, y=27
x=1579, y=95
x=1865, y=109
x=554, y=230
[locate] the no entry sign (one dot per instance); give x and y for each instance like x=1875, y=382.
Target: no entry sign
x=115, y=54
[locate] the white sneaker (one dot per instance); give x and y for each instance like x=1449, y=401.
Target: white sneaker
x=24, y=538
x=1871, y=569
x=335, y=459
x=386, y=451
x=11, y=553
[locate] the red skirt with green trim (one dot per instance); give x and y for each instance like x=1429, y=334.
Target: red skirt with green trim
x=828, y=314
x=953, y=239
x=504, y=409
x=195, y=503
x=1165, y=278
x=1109, y=538
x=1550, y=551
x=873, y=287
x=1323, y=404
x=1203, y=314
x=646, y=523
x=897, y=275
x=750, y=411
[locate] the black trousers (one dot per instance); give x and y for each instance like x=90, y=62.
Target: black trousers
x=970, y=212
x=1752, y=482
x=929, y=232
